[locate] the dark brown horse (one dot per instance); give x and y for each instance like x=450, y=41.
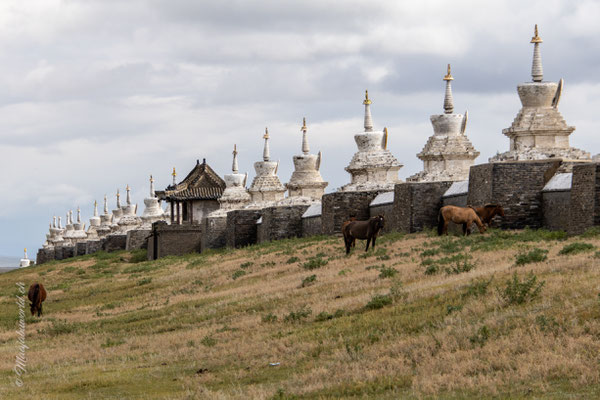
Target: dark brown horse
x=459, y=215
x=344, y=226
x=37, y=294
x=368, y=230
x=488, y=212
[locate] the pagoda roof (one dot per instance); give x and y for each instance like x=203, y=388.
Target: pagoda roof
x=202, y=183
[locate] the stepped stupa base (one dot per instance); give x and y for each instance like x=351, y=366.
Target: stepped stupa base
x=540, y=153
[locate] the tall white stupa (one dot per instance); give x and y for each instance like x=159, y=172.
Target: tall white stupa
x=25, y=261
x=152, y=211
x=448, y=154
x=266, y=187
x=129, y=220
x=373, y=166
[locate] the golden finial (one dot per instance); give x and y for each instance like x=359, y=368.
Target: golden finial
x=448, y=76
x=235, y=149
x=25, y=249
x=536, y=38
x=118, y=194
x=174, y=173
x=95, y=203
x=367, y=101
x=151, y=178
x=303, y=124
x=127, y=187
x=266, y=135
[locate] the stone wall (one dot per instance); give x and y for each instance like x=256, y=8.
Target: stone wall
x=585, y=198
x=173, y=240
x=45, y=255
x=214, y=234
x=93, y=246
x=339, y=207
x=417, y=204
x=241, y=227
x=311, y=226
x=516, y=186
x=79, y=249
x=459, y=200
x=137, y=239
x=280, y=222
x=114, y=243
x=387, y=210
x=556, y=207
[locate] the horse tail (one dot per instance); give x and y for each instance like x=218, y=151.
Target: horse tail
x=440, y=223
x=35, y=298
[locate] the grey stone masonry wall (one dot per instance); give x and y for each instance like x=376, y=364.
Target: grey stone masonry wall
x=516, y=186
x=214, y=234
x=137, y=239
x=556, y=207
x=79, y=249
x=92, y=246
x=585, y=198
x=114, y=243
x=241, y=227
x=387, y=210
x=339, y=207
x=311, y=226
x=459, y=200
x=63, y=252
x=44, y=255
x=173, y=240
x=417, y=204
x=281, y=222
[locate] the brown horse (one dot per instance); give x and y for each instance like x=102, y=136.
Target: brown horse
x=368, y=230
x=488, y=212
x=459, y=215
x=37, y=294
x=344, y=227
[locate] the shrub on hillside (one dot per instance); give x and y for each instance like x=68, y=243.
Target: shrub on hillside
x=309, y=280
x=298, y=316
x=237, y=274
x=379, y=301
x=519, y=292
x=535, y=255
x=576, y=247
x=314, y=263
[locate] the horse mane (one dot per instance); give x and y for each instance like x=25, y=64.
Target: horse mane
x=491, y=206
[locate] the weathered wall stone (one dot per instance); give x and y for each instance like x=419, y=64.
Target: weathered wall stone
x=241, y=227
x=341, y=206
x=556, y=207
x=137, y=239
x=114, y=243
x=280, y=222
x=79, y=249
x=92, y=246
x=214, y=234
x=459, y=200
x=585, y=198
x=45, y=255
x=416, y=205
x=516, y=186
x=173, y=240
x=311, y=226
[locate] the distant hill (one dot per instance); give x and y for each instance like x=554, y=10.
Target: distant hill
x=8, y=262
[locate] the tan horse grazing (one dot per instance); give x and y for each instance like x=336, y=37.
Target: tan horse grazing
x=488, y=212
x=459, y=215
x=368, y=230
x=37, y=294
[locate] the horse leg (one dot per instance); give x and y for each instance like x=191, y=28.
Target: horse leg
x=373, y=243
x=464, y=226
x=445, y=229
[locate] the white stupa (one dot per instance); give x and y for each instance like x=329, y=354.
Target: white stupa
x=129, y=220
x=373, y=167
x=105, y=221
x=448, y=154
x=68, y=234
x=306, y=185
x=152, y=211
x=25, y=261
x=116, y=214
x=79, y=234
x=235, y=195
x=539, y=131
x=266, y=187
x=95, y=222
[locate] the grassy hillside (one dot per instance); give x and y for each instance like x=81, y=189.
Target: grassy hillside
x=505, y=314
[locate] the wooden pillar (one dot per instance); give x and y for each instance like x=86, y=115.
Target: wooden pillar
x=191, y=211
x=178, y=214
x=172, y=211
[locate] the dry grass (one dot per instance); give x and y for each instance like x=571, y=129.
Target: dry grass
x=185, y=328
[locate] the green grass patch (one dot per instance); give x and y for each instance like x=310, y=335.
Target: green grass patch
x=516, y=291
x=292, y=260
x=532, y=256
x=576, y=247
x=238, y=274
x=298, y=315
x=314, y=263
x=379, y=301
x=309, y=280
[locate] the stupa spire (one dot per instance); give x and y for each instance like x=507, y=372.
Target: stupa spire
x=95, y=208
x=234, y=165
x=105, y=205
x=537, y=72
x=54, y=221
x=25, y=253
x=59, y=222
x=266, y=153
x=128, y=189
x=118, y=199
x=78, y=215
x=174, y=174
x=305, y=148
x=448, y=100
x=152, y=194
x=368, y=118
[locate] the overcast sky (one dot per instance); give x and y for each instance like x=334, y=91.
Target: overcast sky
x=95, y=95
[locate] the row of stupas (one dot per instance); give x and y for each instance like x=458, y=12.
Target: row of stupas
x=538, y=132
